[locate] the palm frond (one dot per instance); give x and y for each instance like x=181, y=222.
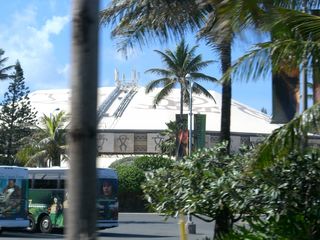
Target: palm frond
x=165, y=91
x=289, y=138
x=160, y=71
x=140, y=22
x=284, y=53
x=157, y=83
x=201, y=90
x=203, y=77
x=37, y=160
x=304, y=24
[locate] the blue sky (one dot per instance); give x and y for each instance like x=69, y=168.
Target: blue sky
x=38, y=34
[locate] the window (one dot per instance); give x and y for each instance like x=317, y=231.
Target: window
x=46, y=183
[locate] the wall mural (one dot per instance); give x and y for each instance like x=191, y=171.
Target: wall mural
x=149, y=143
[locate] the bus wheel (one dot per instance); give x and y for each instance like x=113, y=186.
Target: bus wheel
x=45, y=224
x=32, y=224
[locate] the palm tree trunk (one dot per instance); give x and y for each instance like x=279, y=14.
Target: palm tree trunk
x=181, y=102
x=316, y=83
x=81, y=218
x=56, y=159
x=315, y=73
x=225, y=49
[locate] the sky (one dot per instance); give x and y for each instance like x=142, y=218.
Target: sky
x=38, y=34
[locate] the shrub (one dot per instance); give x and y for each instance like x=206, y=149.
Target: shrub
x=130, y=193
x=122, y=161
x=131, y=173
x=130, y=178
x=149, y=163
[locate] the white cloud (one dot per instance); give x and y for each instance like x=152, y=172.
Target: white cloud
x=32, y=43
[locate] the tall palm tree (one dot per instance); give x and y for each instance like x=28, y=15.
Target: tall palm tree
x=81, y=215
x=178, y=64
x=4, y=69
x=292, y=136
x=49, y=141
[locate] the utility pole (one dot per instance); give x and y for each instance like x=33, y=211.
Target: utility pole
x=304, y=73
x=191, y=227
x=81, y=214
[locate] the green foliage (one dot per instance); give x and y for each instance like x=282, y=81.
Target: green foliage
x=130, y=178
x=17, y=117
x=200, y=184
x=144, y=22
x=3, y=68
x=149, y=163
x=178, y=64
x=24, y=154
x=129, y=192
x=285, y=197
x=49, y=141
x=131, y=173
x=122, y=161
x=289, y=138
x=169, y=145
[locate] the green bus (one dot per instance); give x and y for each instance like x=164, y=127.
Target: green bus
x=13, y=197
x=48, y=198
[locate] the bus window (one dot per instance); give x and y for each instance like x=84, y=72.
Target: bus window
x=62, y=184
x=30, y=183
x=45, y=184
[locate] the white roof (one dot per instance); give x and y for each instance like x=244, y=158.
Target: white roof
x=136, y=112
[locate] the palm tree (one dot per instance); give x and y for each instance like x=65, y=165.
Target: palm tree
x=139, y=21
x=49, y=141
x=179, y=63
x=142, y=21
x=81, y=215
x=4, y=69
x=292, y=136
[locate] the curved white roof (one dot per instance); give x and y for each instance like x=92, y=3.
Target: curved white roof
x=133, y=110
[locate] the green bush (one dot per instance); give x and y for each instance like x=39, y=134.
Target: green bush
x=131, y=173
x=130, y=178
x=149, y=163
x=130, y=193
x=122, y=161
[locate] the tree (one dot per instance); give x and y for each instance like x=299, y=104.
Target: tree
x=17, y=117
x=48, y=141
x=141, y=22
x=204, y=185
x=179, y=63
x=293, y=43
x=4, y=69
x=82, y=224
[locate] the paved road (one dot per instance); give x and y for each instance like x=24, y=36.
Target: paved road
x=132, y=226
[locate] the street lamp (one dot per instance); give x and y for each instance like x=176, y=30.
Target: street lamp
x=191, y=227
x=189, y=79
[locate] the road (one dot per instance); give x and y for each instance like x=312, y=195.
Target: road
x=132, y=226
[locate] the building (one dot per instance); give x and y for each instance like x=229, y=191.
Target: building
x=129, y=124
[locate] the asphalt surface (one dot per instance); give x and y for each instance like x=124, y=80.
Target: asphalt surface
x=132, y=226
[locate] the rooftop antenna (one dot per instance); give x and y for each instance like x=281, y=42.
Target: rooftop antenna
x=116, y=78
x=124, y=80
x=134, y=78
